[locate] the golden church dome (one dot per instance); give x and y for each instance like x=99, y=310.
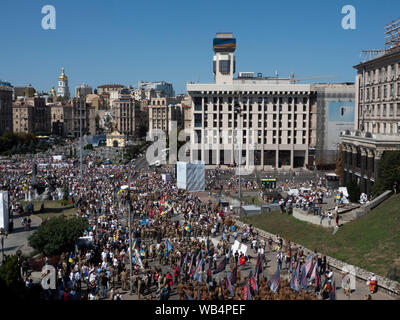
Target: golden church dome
x=63, y=77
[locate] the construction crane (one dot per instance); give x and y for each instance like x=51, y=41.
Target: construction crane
x=293, y=80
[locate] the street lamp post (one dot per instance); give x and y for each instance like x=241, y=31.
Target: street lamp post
x=238, y=111
x=80, y=135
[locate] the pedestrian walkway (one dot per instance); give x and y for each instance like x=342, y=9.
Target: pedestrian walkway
x=315, y=219
x=18, y=239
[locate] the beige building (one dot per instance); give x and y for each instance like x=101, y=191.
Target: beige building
x=31, y=115
x=6, y=107
x=126, y=116
x=162, y=111
x=377, y=127
x=61, y=119
x=95, y=101
x=83, y=112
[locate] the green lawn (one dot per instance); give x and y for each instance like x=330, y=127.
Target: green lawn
x=52, y=209
x=371, y=242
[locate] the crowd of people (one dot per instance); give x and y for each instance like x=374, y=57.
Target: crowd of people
x=180, y=246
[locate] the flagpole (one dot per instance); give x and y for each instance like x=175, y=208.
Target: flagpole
x=130, y=233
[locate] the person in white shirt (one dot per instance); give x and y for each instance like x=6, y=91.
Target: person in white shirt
x=329, y=218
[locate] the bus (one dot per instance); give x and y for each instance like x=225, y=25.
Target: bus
x=269, y=183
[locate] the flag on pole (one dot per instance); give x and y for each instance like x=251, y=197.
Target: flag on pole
x=314, y=272
x=303, y=278
x=275, y=281
x=246, y=292
x=252, y=283
x=308, y=263
x=136, y=244
x=168, y=248
x=294, y=281
x=229, y=285
x=221, y=266
x=188, y=296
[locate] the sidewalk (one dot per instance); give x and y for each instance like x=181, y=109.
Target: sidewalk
x=18, y=239
x=315, y=219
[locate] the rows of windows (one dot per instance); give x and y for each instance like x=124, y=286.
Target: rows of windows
x=382, y=127
x=386, y=73
x=381, y=92
x=383, y=110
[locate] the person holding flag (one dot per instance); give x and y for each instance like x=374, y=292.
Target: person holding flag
x=168, y=248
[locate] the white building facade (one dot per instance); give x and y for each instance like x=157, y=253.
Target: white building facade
x=261, y=122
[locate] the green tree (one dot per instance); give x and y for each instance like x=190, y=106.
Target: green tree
x=389, y=166
x=88, y=147
x=58, y=235
x=354, y=191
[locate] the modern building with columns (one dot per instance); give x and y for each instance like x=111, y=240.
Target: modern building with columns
x=276, y=126
x=377, y=115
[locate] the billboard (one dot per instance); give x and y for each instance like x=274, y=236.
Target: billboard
x=340, y=118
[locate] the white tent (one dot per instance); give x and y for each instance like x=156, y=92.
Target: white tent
x=191, y=176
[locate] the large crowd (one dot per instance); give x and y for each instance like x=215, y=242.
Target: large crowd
x=180, y=246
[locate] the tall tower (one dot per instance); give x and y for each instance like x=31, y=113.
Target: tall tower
x=63, y=89
x=224, y=45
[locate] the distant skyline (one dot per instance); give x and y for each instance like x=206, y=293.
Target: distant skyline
x=103, y=42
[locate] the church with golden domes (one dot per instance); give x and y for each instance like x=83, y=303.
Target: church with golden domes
x=63, y=89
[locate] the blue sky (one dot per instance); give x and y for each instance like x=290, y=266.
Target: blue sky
x=125, y=41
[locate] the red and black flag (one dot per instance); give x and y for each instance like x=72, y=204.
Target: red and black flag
x=246, y=292
x=252, y=283
x=221, y=266
x=229, y=285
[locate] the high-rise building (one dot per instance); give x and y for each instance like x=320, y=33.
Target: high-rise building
x=6, y=107
x=161, y=112
x=63, y=89
x=126, y=113
x=61, y=118
x=269, y=120
x=82, y=110
x=377, y=113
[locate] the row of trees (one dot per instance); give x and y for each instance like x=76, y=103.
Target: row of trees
x=21, y=143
